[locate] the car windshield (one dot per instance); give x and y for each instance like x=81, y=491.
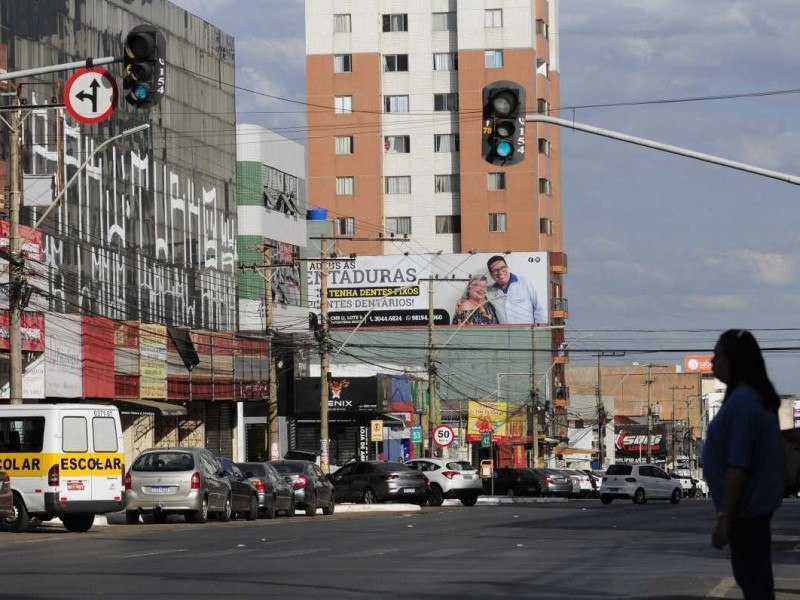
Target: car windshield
x=619, y=470
x=289, y=468
x=164, y=462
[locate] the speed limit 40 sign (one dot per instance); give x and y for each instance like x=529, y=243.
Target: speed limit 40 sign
x=444, y=436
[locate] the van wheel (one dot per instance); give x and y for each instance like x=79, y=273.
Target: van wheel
x=21, y=520
x=78, y=523
x=605, y=498
x=199, y=516
x=227, y=510
x=252, y=514
x=131, y=517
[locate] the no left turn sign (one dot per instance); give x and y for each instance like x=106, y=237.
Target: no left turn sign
x=91, y=95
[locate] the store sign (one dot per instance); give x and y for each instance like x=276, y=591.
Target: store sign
x=347, y=395
x=697, y=363
x=376, y=430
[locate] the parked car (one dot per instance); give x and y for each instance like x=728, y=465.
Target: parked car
x=449, y=479
x=274, y=494
x=186, y=481
x=520, y=481
x=596, y=481
x=244, y=497
x=7, y=510
x=688, y=487
x=373, y=481
x=310, y=486
x=639, y=483
x=584, y=483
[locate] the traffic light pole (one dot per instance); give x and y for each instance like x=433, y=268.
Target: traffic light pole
x=88, y=63
x=623, y=137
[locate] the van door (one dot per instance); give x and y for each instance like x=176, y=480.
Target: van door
x=75, y=464
x=108, y=458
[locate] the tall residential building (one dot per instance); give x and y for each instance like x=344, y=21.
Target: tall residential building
x=394, y=120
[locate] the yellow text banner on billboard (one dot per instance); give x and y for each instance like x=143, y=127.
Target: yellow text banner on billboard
x=505, y=421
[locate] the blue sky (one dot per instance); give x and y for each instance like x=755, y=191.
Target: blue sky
x=664, y=252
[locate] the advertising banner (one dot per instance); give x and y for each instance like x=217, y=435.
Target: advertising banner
x=32, y=378
x=98, y=357
x=63, y=354
x=346, y=395
x=153, y=360
x=502, y=420
x=392, y=291
x=631, y=441
x=697, y=363
x=32, y=327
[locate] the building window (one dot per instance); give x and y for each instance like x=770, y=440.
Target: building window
x=542, y=28
x=542, y=67
x=445, y=61
x=395, y=62
x=345, y=226
x=545, y=226
x=445, y=102
x=398, y=225
x=495, y=181
x=397, y=184
x=448, y=224
x=444, y=21
x=542, y=106
x=447, y=184
x=395, y=104
x=493, y=17
x=545, y=187
x=497, y=222
x=494, y=59
x=345, y=186
x=446, y=142
x=395, y=22
x=343, y=144
x=341, y=23
x=397, y=144
x=544, y=147
x=343, y=105
x=342, y=63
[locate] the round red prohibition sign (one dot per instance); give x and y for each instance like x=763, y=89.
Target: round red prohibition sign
x=444, y=436
x=91, y=95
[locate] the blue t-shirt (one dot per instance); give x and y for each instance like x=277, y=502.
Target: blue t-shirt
x=746, y=434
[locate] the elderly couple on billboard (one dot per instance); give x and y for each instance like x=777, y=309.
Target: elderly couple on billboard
x=510, y=299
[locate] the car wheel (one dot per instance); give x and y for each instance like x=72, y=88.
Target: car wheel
x=328, y=510
x=435, y=496
x=79, y=523
x=227, y=510
x=605, y=498
x=676, y=496
x=199, y=516
x=160, y=516
x=470, y=500
x=131, y=517
x=292, y=508
x=639, y=497
x=252, y=514
x=269, y=511
x=311, y=506
x=369, y=496
x=21, y=520
x=510, y=492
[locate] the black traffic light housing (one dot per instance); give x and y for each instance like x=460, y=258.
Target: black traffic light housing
x=503, y=123
x=145, y=55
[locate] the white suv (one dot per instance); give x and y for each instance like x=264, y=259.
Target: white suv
x=640, y=483
x=449, y=479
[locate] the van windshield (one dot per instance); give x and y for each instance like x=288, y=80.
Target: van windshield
x=163, y=462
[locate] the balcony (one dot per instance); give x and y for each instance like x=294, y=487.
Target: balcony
x=560, y=308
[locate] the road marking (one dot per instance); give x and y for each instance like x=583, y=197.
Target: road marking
x=288, y=553
x=154, y=553
x=367, y=553
x=219, y=553
x=444, y=552
x=723, y=587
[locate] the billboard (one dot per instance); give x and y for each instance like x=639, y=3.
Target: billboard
x=380, y=291
x=503, y=420
x=697, y=363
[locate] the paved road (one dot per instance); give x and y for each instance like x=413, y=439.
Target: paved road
x=578, y=549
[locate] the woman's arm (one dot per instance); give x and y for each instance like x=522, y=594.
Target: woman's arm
x=735, y=481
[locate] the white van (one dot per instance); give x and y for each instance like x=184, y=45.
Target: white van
x=64, y=460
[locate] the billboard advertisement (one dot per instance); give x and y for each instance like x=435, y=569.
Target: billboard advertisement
x=469, y=289
x=503, y=420
x=697, y=363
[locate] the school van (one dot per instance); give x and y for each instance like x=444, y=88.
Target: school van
x=64, y=460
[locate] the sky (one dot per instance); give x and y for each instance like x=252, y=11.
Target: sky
x=665, y=252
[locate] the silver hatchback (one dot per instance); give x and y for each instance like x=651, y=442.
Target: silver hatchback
x=186, y=481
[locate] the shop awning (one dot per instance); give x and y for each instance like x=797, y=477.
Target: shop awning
x=138, y=406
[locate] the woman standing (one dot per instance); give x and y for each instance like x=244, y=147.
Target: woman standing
x=743, y=461
x=473, y=308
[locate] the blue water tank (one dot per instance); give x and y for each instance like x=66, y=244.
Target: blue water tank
x=317, y=214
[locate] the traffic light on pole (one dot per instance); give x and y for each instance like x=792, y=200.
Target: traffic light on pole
x=503, y=123
x=145, y=56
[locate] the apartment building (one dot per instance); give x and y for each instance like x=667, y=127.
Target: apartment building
x=394, y=119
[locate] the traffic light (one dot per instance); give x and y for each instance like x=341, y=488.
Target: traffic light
x=503, y=123
x=145, y=66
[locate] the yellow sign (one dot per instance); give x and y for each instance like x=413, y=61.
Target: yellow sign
x=153, y=361
x=69, y=463
x=376, y=430
x=502, y=419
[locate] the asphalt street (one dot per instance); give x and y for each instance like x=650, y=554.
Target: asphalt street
x=575, y=549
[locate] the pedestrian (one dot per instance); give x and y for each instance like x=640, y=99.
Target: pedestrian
x=743, y=461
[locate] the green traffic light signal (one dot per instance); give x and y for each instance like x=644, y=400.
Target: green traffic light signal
x=145, y=66
x=503, y=123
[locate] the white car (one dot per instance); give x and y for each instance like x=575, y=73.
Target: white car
x=584, y=487
x=639, y=483
x=449, y=479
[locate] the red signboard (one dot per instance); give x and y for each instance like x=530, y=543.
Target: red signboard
x=32, y=331
x=98, y=357
x=697, y=363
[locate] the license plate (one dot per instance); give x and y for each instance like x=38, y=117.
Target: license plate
x=409, y=490
x=159, y=489
x=467, y=476
x=613, y=489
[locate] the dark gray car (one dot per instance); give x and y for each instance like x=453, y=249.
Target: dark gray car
x=311, y=487
x=274, y=494
x=373, y=481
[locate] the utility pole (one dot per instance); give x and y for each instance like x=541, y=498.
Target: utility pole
x=273, y=444
x=601, y=409
x=15, y=260
x=649, y=382
x=324, y=357
x=431, y=370
x=674, y=455
x=534, y=420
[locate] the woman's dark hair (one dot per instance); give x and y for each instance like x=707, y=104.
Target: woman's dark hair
x=746, y=365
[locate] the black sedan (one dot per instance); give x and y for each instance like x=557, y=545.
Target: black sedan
x=244, y=497
x=373, y=481
x=274, y=494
